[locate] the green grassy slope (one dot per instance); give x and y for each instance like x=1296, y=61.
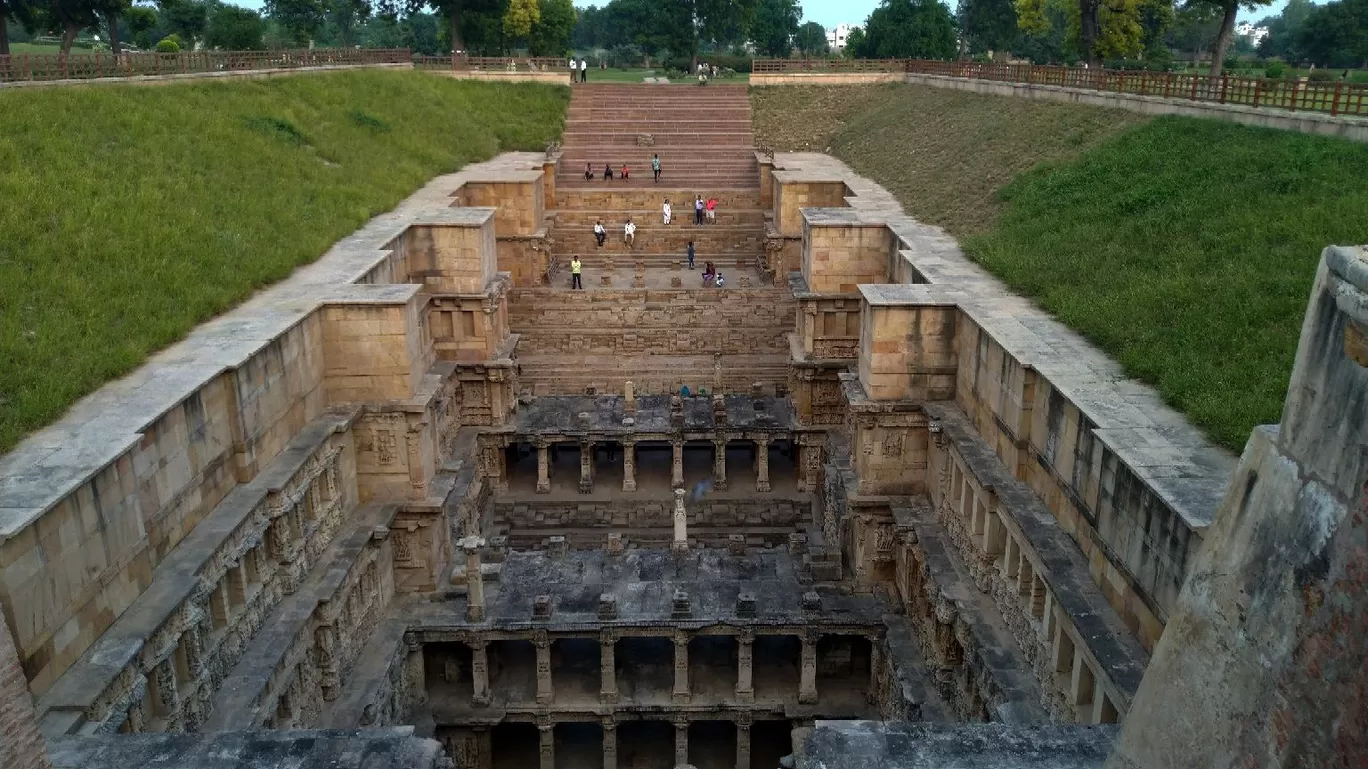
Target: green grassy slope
x=1184, y=248
x=130, y=214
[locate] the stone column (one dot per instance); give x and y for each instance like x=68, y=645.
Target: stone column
x=586, y=467
x=681, y=742
x=762, y=481
x=876, y=663
x=475, y=601
x=543, y=469
x=479, y=673
x=608, y=691
x=484, y=747
x=547, y=736
x=415, y=669
x=720, y=465
x=807, y=683
x=717, y=373
x=545, y=692
x=681, y=524
x=629, y=404
x=745, y=688
x=21, y=743
x=681, y=668
x=677, y=464
x=743, y=741
x=609, y=743
x=629, y=466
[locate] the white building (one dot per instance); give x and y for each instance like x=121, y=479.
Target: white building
x=836, y=38
x=1255, y=34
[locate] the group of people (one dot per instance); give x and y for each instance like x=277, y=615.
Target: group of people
x=579, y=70
x=624, y=173
x=628, y=232
x=704, y=210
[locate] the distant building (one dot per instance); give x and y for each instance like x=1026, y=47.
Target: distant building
x=836, y=37
x=1247, y=30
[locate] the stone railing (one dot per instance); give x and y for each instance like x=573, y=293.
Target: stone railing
x=1086, y=662
x=158, y=666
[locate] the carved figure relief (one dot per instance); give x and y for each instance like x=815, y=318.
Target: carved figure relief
x=893, y=445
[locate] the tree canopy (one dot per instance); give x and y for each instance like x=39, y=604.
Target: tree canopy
x=774, y=26
x=920, y=29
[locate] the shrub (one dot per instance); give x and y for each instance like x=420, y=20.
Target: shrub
x=1322, y=75
x=1275, y=70
x=168, y=44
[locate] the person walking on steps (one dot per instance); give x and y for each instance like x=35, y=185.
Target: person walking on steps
x=691, y=255
x=698, y=210
x=629, y=232
x=665, y=212
x=655, y=168
x=575, y=273
x=600, y=234
x=584, y=71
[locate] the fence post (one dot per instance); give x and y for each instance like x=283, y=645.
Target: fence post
x=1195, y=79
x=1258, y=86
x=1225, y=81
x=1334, y=105
x=1292, y=104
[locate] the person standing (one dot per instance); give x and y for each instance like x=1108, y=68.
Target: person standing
x=665, y=212
x=655, y=169
x=575, y=267
x=572, y=69
x=600, y=234
x=584, y=70
x=629, y=232
x=691, y=255
x=698, y=210
x=711, y=208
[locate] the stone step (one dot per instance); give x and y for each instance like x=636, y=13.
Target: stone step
x=587, y=196
x=713, y=184
x=548, y=375
x=673, y=261
x=660, y=239
x=683, y=216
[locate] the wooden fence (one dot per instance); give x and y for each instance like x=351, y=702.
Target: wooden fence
x=1335, y=97
x=555, y=64
x=23, y=67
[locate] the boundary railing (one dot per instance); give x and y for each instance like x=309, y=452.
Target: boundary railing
x=29, y=67
x=554, y=64
x=1291, y=94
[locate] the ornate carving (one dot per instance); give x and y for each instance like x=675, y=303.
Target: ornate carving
x=893, y=444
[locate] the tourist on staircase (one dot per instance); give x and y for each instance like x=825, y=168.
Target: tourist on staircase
x=588, y=171
x=575, y=272
x=691, y=255
x=665, y=212
x=655, y=169
x=572, y=69
x=584, y=71
x=608, y=172
x=711, y=208
x=698, y=210
x=600, y=234
x=629, y=232
x=624, y=172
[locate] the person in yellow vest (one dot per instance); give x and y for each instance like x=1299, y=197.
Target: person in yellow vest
x=575, y=272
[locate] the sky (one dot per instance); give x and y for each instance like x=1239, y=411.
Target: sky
x=829, y=13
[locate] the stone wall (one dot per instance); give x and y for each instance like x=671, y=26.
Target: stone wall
x=21, y=744
x=840, y=253
x=763, y=521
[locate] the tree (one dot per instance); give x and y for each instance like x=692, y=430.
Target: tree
x=551, y=35
x=110, y=11
x=300, y=19
x=1336, y=34
x=591, y=29
x=344, y=16
x=520, y=17
x=21, y=11
x=811, y=40
x=72, y=16
x=774, y=25
x=1283, y=30
x=1229, y=10
x=233, y=28
x=1195, y=26
x=141, y=20
x=185, y=18
x=917, y=29
x=988, y=25
x=468, y=16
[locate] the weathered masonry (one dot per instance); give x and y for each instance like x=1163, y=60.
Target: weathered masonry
x=424, y=505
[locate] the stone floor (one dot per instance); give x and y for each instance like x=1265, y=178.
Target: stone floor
x=876, y=745
x=658, y=278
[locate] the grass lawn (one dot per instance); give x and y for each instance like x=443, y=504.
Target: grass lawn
x=1184, y=248
x=39, y=48
x=132, y=213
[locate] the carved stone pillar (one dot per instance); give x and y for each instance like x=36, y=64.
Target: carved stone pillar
x=167, y=698
x=681, y=742
x=548, y=746
x=586, y=484
x=677, y=464
x=762, y=481
x=681, y=669
x=479, y=673
x=543, y=469
x=475, y=600
x=325, y=641
x=807, y=682
x=415, y=669
x=545, y=692
x=743, y=741
x=418, y=471
x=680, y=544
x=745, y=688
x=876, y=663
x=629, y=466
x=720, y=465
x=608, y=691
x=610, y=743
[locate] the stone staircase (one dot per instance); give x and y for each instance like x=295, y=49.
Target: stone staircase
x=658, y=336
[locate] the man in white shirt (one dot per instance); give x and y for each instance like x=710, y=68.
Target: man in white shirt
x=629, y=233
x=572, y=69
x=584, y=70
x=665, y=211
x=600, y=234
